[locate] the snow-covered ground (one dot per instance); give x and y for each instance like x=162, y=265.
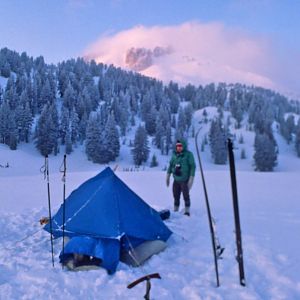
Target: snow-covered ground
x=269, y=208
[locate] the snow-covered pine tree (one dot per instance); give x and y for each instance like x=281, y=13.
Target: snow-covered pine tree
x=150, y=121
x=188, y=112
x=69, y=98
x=13, y=132
x=64, y=124
x=140, y=149
x=218, y=138
x=124, y=115
x=181, y=122
x=221, y=94
x=74, y=123
x=265, y=156
x=68, y=142
x=46, y=96
x=168, y=139
x=159, y=132
x=4, y=117
x=94, y=141
x=10, y=94
x=297, y=139
x=112, y=139
x=288, y=128
x=154, y=162
x=53, y=133
x=24, y=120
x=43, y=143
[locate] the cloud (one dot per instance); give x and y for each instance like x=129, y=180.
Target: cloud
x=197, y=53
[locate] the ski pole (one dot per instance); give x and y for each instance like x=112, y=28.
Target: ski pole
x=46, y=176
x=64, y=203
x=210, y=221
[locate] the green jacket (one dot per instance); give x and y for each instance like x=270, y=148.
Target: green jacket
x=186, y=161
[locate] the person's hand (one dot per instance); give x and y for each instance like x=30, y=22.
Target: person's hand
x=168, y=179
x=190, y=182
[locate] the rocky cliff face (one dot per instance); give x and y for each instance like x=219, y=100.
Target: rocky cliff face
x=139, y=59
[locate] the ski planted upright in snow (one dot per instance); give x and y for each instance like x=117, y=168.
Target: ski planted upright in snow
x=237, y=223
x=217, y=249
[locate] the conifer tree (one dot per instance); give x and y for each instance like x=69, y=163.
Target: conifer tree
x=154, y=162
x=69, y=98
x=54, y=128
x=74, y=126
x=168, y=138
x=43, y=143
x=64, y=124
x=4, y=122
x=13, y=132
x=297, y=139
x=140, y=149
x=159, y=133
x=265, y=156
x=112, y=139
x=188, y=113
x=218, y=138
x=68, y=142
x=94, y=142
x=150, y=121
x=181, y=122
x=46, y=96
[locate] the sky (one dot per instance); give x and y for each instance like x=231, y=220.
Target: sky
x=253, y=42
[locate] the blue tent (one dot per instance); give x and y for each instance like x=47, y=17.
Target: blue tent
x=104, y=217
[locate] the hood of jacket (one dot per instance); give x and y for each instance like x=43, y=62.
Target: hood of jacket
x=183, y=142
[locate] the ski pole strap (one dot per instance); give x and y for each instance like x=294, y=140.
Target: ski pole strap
x=44, y=167
x=63, y=168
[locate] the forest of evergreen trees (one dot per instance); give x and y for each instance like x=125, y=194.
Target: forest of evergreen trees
x=84, y=103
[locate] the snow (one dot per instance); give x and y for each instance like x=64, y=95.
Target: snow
x=269, y=210
x=3, y=81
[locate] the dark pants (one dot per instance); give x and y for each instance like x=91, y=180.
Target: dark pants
x=179, y=187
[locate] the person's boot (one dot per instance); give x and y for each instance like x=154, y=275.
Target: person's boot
x=187, y=211
x=176, y=208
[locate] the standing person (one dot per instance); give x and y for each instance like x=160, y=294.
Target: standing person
x=182, y=165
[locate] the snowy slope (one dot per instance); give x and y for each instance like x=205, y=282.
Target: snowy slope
x=269, y=206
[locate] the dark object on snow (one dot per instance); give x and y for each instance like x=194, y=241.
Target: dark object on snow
x=148, y=285
x=217, y=249
x=237, y=223
x=104, y=218
x=164, y=214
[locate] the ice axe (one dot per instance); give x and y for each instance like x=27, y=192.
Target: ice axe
x=148, y=284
